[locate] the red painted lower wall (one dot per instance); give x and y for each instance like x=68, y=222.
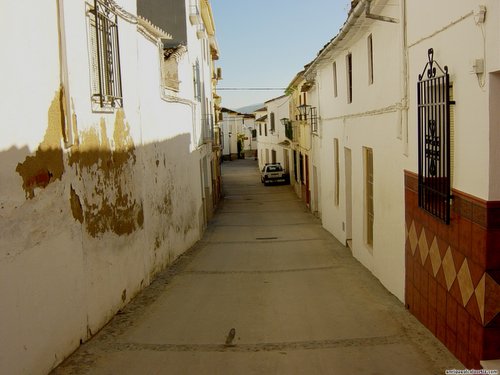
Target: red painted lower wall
x=453, y=273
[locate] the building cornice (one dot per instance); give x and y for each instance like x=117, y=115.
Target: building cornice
x=175, y=53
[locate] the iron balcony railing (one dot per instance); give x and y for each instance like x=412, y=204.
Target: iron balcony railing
x=208, y=128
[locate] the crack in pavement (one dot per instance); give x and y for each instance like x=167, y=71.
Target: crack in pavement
x=266, y=241
x=260, y=347
x=266, y=225
x=235, y=272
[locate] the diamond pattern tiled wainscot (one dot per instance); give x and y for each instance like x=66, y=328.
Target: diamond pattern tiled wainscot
x=453, y=273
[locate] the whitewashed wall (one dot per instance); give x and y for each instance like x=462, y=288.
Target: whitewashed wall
x=124, y=202
x=457, y=41
x=278, y=106
x=231, y=126
x=371, y=120
x=248, y=126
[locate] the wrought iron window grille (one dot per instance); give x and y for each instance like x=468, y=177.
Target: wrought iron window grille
x=208, y=127
x=314, y=119
x=105, y=56
x=197, y=81
x=309, y=114
x=434, y=139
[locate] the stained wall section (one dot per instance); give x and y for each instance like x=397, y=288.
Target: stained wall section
x=85, y=225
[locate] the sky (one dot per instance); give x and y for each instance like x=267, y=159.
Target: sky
x=265, y=43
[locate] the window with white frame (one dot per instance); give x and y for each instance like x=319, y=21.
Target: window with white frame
x=106, y=85
x=197, y=81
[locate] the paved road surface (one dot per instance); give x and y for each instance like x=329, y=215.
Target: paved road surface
x=266, y=291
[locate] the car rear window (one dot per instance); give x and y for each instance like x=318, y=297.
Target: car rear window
x=274, y=168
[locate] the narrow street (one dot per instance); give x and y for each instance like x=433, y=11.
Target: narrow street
x=266, y=291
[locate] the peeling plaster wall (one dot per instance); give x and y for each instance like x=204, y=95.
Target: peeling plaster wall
x=84, y=228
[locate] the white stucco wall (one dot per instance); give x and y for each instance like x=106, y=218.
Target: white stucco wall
x=371, y=120
x=271, y=142
x=248, y=126
x=34, y=91
x=231, y=127
x=118, y=206
x=374, y=120
x=457, y=41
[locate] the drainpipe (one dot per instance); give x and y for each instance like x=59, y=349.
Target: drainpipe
x=404, y=78
x=403, y=110
x=63, y=75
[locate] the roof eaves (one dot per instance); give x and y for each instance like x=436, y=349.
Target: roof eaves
x=273, y=99
x=353, y=16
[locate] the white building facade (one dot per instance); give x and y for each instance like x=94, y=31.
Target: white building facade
x=358, y=141
x=452, y=175
x=96, y=195
x=405, y=180
x=273, y=145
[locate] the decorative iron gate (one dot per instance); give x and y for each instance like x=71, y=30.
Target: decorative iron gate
x=434, y=174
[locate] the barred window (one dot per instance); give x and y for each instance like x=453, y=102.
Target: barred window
x=314, y=119
x=106, y=85
x=197, y=81
x=435, y=139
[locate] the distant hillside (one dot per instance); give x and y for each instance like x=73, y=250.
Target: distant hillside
x=250, y=108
